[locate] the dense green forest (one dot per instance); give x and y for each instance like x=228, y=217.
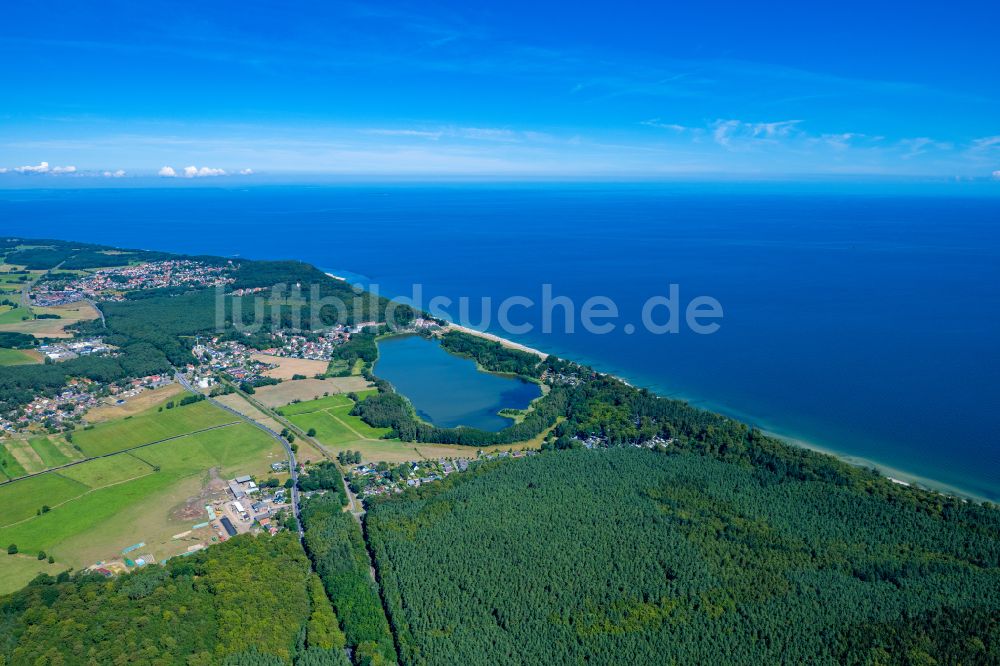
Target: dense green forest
x=247, y=601
x=334, y=542
x=631, y=555
x=491, y=355
x=711, y=544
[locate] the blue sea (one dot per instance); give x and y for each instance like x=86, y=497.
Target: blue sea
x=862, y=319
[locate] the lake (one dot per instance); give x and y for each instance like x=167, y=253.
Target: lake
x=861, y=318
x=447, y=390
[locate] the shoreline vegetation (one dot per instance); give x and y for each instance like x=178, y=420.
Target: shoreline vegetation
x=737, y=542
x=891, y=472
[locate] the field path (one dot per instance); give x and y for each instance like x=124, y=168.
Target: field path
x=116, y=453
x=346, y=425
x=84, y=494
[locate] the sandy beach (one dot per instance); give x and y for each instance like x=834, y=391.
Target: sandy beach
x=496, y=338
x=894, y=474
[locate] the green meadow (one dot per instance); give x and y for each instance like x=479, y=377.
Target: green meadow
x=99, y=506
x=9, y=315
x=16, y=569
x=151, y=426
x=15, y=357
x=51, y=455
x=327, y=402
x=331, y=417
x=9, y=466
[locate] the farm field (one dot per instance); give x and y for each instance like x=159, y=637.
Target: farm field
x=48, y=328
x=289, y=367
x=135, y=405
x=26, y=456
x=307, y=389
x=101, y=506
x=9, y=465
x=307, y=450
x=22, y=499
x=18, y=356
x=327, y=402
x=149, y=427
x=51, y=454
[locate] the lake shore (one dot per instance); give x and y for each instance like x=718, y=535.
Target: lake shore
x=890, y=472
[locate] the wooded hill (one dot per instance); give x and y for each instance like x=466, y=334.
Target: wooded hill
x=247, y=602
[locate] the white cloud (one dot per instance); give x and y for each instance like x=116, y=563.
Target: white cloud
x=3, y=169
x=659, y=124
x=922, y=144
x=737, y=133
x=996, y=174
x=986, y=143
x=488, y=133
x=246, y=172
x=167, y=172
x=420, y=134
x=471, y=133
x=120, y=173
x=195, y=172
x=44, y=167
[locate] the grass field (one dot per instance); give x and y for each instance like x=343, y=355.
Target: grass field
x=148, y=427
x=23, y=499
x=18, y=356
x=11, y=316
x=9, y=466
x=337, y=400
x=51, y=455
x=15, y=570
x=30, y=461
x=106, y=471
x=101, y=506
x=331, y=418
x=48, y=328
x=337, y=430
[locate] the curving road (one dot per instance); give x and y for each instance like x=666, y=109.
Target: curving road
x=292, y=465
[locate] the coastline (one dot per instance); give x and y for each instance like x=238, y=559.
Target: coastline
x=894, y=474
x=510, y=344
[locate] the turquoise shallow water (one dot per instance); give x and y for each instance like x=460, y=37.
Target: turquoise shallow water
x=446, y=390
x=864, y=319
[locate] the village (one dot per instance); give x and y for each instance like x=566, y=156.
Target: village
x=68, y=408
x=110, y=284
x=373, y=480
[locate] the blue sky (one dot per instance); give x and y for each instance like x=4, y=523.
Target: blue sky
x=514, y=89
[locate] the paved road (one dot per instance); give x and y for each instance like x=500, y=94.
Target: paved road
x=292, y=465
x=357, y=507
x=100, y=312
